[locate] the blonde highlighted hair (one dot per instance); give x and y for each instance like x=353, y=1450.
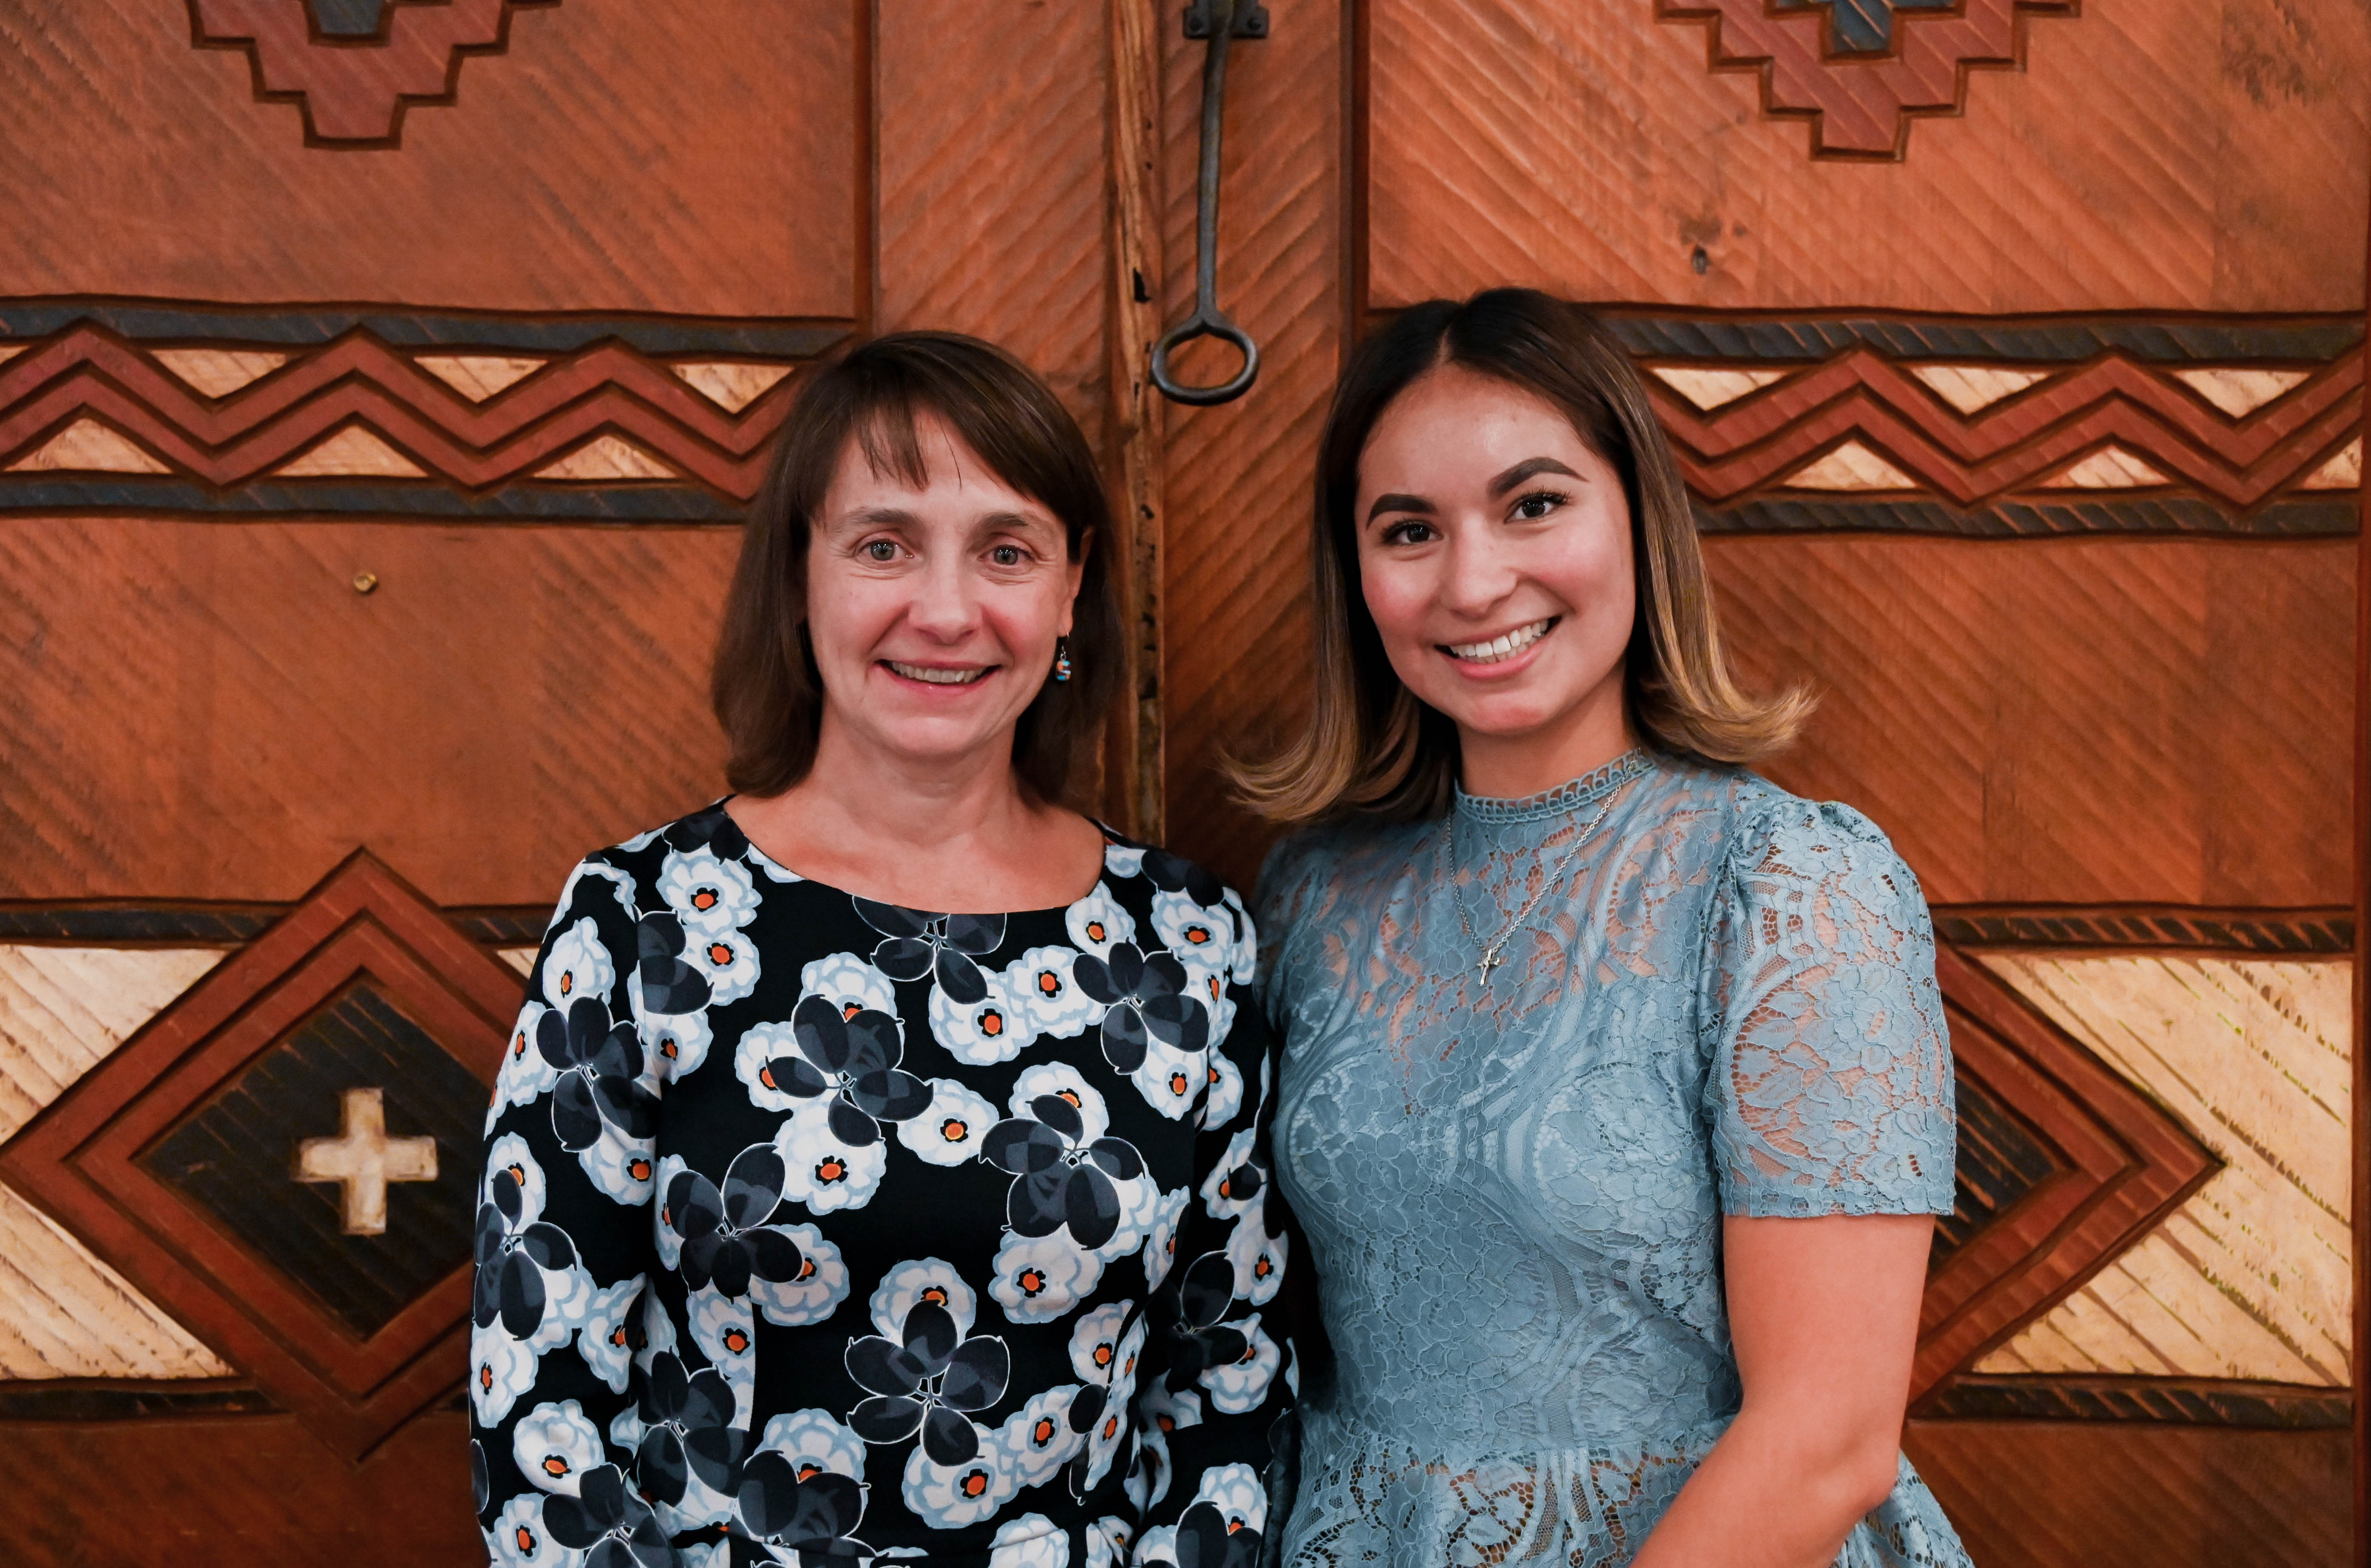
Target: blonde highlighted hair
x=1371, y=748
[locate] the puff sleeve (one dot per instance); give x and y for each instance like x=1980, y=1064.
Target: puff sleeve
x=1829, y=1081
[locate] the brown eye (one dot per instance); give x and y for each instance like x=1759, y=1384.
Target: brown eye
x=1537, y=504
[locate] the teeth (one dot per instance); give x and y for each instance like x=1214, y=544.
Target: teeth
x=1505, y=647
x=935, y=677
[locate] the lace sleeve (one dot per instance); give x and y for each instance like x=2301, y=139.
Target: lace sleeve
x=1830, y=1088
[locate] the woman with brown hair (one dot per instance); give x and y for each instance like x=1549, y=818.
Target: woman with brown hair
x=1616, y=1097
x=878, y=1165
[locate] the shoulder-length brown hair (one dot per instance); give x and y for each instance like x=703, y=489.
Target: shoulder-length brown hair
x=1371, y=748
x=765, y=686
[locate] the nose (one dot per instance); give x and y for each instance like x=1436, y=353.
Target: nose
x=944, y=607
x=1479, y=571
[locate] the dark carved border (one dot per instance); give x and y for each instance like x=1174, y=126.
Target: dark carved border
x=2191, y=1401
x=2147, y=927
x=2300, y=340
x=2334, y=516
x=79, y=1400
x=164, y=323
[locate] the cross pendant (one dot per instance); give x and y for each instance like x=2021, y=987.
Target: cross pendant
x=1490, y=961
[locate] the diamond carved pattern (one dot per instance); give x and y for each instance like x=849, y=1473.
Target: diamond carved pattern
x=2064, y=1166
x=244, y=1055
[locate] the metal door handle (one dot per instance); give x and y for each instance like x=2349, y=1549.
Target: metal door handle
x=1220, y=21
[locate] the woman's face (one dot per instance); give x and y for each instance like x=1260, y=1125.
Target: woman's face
x=1495, y=550
x=933, y=610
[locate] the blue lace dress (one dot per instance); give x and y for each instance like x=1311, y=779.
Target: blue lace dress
x=1513, y=1193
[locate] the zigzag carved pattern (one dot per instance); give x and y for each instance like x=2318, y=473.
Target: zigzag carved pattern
x=353, y=92
x=1755, y=443
x=1861, y=107
x=606, y=387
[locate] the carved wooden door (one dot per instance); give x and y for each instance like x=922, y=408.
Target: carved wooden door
x=380, y=380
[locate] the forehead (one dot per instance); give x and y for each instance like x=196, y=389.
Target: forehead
x=927, y=470
x=1454, y=422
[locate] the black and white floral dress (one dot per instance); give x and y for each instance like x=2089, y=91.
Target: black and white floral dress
x=816, y=1229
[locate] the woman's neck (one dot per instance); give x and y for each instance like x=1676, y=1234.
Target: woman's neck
x=944, y=834
x=1580, y=740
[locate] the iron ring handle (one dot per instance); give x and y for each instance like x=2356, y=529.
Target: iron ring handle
x=1205, y=323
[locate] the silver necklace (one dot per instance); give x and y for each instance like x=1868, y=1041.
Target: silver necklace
x=1494, y=952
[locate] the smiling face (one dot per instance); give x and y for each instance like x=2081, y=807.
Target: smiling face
x=933, y=609
x=1494, y=553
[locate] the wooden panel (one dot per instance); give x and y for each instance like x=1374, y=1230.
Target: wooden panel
x=202, y=1496
x=991, y=209
x=2140, y=160
x=618, y=155
x=2074, y=721
x=501, y=701
x=1238, y=476
x=2084, y=1494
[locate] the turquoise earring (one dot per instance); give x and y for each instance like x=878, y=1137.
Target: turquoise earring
x=1061, y=658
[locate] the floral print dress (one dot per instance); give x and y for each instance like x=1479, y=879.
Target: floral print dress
x=816, y=1229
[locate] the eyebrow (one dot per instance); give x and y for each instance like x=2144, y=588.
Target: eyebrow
x=1529, y=469
x=1397, y=502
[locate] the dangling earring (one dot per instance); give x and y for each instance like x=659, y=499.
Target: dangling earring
x=1061, y=658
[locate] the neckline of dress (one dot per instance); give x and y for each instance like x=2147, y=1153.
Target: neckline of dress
x=1594, y=785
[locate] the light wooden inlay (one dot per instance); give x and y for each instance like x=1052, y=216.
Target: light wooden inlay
x=2252, y=1277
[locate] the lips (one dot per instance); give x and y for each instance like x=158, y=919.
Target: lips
x=1506, y=645
x=932, y=675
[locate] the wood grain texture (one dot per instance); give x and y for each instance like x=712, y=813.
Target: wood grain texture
x=2252, y=1277
x=620, y=156
x=504, y=701
x=63, y=1313
x=2056, y=1494
x=1239, y=475
x=2145, y=158
x=992, y=181
x=237, y=1491
x=1137, y=766
x=2068, y=721
x=63, y=1009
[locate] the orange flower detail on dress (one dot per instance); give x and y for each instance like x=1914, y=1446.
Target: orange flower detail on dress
x=955, y=1130
x=735, y=1341
x=831, y=1170
x=719, y=954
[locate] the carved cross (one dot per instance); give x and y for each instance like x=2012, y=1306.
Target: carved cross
x=363, y=1160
